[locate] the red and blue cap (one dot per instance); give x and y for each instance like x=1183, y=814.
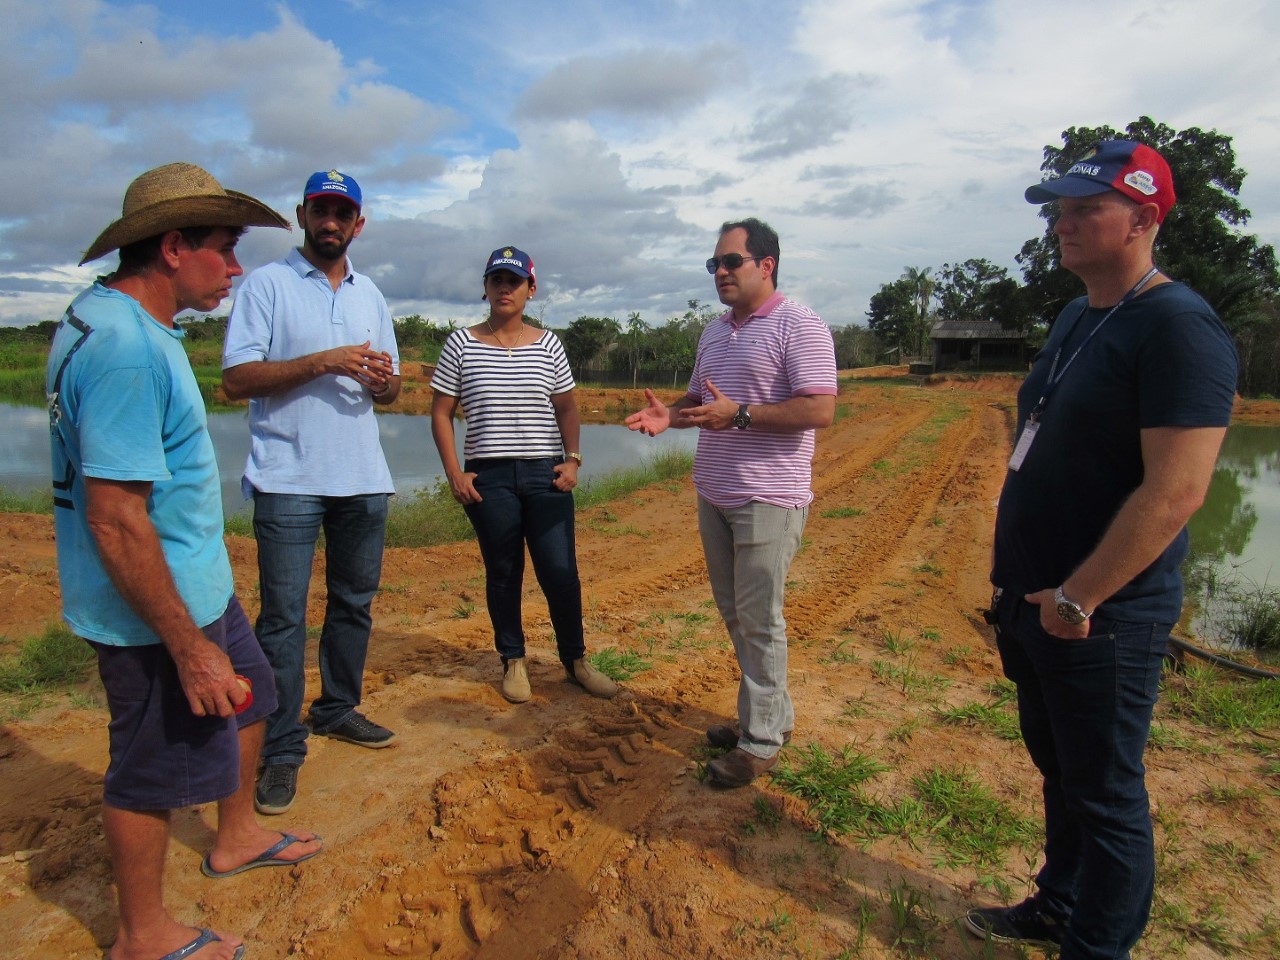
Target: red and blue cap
x=331, y=183
x=510, y=258
x=1132, y=168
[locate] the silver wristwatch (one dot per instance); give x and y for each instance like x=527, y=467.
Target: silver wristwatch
x=742, y=419
x=1069, y=610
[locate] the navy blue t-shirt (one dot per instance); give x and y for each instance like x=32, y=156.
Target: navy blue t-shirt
x=1162, y=360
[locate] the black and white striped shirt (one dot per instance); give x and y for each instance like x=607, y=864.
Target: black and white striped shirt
x=506, y=396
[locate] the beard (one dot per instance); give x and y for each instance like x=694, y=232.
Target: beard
x=330, y=247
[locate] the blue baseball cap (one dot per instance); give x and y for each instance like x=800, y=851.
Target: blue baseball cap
x=1126, y=166
x=332, y=184
x=509, y=258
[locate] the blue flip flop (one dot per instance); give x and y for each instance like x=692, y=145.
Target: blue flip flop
x=205, y=938
x=265, y=859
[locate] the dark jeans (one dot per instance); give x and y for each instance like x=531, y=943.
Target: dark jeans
x=287, y=526
x=1085, y=710
x=521, y=506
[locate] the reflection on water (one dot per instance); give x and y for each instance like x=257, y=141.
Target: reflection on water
x=406, y=440
x=1235, y=536
x=1238, y=528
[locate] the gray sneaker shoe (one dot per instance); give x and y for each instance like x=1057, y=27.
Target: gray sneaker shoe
x=276, y=788
x=361, y=731
x=515, y=681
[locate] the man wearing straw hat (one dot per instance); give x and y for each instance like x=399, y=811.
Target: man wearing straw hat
x=311, y=344
x=145, y=575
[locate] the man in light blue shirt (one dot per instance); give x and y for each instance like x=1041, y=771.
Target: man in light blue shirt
x=310, y=342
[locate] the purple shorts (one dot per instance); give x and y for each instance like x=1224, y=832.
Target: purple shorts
x=162, y=755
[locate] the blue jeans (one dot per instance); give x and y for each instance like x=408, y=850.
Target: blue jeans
x=287, y=526
x=1085, y=710
x=521, y=506
x=749, y=550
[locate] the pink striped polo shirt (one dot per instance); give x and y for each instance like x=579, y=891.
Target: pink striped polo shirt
x=783, y=350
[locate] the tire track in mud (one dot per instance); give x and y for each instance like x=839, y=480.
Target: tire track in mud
x=668, y=570
x=501, y=861
x=906, y=505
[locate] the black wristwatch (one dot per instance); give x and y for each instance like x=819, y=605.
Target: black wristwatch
x=742, y=419
x=1069, y=610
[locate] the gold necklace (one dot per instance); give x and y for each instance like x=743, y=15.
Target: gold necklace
x=519, y=337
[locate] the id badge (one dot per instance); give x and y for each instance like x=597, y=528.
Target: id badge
x=1024, y=444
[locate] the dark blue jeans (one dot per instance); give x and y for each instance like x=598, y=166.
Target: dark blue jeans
x=521, y=506
x=287, y=526
x=1085, y=709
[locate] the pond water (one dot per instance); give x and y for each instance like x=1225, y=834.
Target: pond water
x=1238, y=528
x=406, y=441
x=1235, y=541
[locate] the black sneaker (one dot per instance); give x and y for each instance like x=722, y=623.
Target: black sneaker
x=276, y=788
x=361, y=731
x=1025, y=923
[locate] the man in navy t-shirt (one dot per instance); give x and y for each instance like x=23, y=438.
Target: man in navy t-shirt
x=1119, y=425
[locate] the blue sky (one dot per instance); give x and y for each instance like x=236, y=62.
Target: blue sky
x=608, y=140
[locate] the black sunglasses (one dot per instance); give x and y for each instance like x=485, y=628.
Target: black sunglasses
x=731, y=261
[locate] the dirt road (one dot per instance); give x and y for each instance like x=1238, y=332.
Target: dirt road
x=573, y=828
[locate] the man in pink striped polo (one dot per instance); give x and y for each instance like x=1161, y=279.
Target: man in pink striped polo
x=764, y=380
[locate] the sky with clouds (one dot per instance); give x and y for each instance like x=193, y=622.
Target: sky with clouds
x=608, y=140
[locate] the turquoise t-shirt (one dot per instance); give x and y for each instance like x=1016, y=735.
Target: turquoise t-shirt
x=124, y=405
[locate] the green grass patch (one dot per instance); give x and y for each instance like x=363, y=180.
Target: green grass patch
x=969, y=824
x=29, y=501
x=1222, y=700
x=54, y=659
x=657, y=468
x=619, y=664
x=427, y=518
x=831, y=784
x=839, y=513
x=25, y=386
x=1003, y=723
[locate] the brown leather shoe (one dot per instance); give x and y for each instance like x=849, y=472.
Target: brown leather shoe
x=725, y=735
x=737, y=768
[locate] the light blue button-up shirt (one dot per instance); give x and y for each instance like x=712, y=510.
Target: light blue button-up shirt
x=320, y=438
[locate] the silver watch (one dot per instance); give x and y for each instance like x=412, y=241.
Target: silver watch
x=1069, y=610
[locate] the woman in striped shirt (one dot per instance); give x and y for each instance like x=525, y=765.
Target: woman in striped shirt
x=515, y=389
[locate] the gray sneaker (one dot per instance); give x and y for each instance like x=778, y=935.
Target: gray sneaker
x=276, y=788
x=361, y=731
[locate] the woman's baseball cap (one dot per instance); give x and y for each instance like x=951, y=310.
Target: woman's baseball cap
x=510, y=258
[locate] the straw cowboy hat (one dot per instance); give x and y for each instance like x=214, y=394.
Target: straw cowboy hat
x=179, y=195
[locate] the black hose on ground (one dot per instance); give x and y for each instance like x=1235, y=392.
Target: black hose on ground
x=1220, y=661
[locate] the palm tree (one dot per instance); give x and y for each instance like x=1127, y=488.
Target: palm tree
x=923, y=284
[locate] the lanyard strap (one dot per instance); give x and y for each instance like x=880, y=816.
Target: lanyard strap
x=1052, y=383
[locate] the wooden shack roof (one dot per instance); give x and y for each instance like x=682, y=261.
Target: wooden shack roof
x=973, y=330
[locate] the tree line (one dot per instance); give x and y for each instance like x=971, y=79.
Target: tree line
x=1202, y=242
